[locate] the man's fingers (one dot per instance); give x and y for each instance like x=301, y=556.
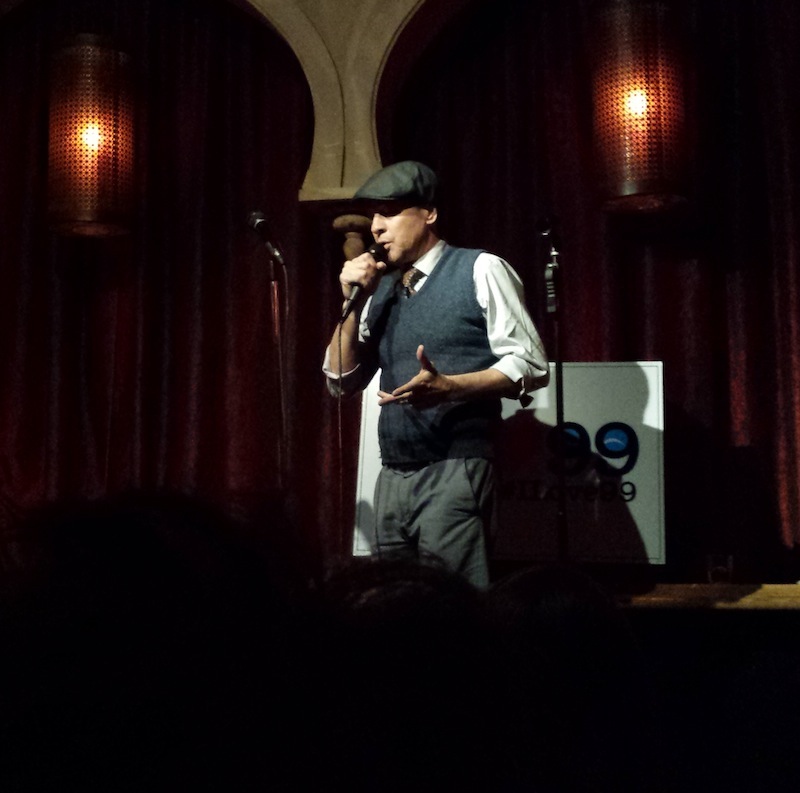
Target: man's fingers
x=399, y=395
x=424, y=361
x=403, y=390
x=415, y=389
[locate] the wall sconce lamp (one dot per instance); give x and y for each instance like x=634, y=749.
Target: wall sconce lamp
x=638, y=105
x=90, y=173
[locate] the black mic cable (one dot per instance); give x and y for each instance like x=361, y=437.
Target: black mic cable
x=380, y=254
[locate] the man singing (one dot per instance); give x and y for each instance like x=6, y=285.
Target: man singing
x=449, y=330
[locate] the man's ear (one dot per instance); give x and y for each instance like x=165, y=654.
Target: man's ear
x=433, y=216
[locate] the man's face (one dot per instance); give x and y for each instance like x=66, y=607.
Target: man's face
x=406, y=232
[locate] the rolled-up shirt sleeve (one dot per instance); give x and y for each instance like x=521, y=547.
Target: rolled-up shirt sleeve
x=347, y=383
x=512, y=335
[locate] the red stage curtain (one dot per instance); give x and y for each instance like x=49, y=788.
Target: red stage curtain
x=149, y=361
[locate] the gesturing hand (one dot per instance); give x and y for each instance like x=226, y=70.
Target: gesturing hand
x=427, y=387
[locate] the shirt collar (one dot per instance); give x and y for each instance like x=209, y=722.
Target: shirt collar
x=430, y=259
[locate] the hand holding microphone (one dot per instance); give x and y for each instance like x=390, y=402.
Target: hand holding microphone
x=358, y=268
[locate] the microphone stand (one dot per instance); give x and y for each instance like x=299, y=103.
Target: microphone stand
x=552, y=283
x=276, y=265
x=356, y=231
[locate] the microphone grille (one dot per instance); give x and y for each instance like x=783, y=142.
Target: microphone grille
x=254, y=218
x=379, y=253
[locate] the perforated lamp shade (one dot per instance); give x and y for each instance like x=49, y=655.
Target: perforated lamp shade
x=90, y=169
x=638, y=105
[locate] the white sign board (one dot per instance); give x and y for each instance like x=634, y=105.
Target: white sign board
x=613, y=456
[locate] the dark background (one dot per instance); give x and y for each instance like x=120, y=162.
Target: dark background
x=149, y=361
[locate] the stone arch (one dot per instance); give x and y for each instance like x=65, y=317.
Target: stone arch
x=293, y=24
x=343, y=47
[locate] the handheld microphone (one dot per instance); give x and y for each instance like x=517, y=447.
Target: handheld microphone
x=380, y=254
x=258, y=222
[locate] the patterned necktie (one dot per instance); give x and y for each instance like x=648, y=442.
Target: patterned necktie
x=410, y=278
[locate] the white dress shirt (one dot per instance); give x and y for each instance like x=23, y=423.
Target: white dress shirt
x=513, y=338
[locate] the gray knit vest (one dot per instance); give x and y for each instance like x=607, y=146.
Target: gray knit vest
x=446, y=318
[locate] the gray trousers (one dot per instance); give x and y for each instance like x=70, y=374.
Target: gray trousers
x=441, y=509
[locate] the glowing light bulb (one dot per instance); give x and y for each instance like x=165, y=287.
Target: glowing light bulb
x=91, y=137
x=636, y=103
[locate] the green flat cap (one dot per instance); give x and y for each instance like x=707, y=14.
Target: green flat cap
x=410, y=182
